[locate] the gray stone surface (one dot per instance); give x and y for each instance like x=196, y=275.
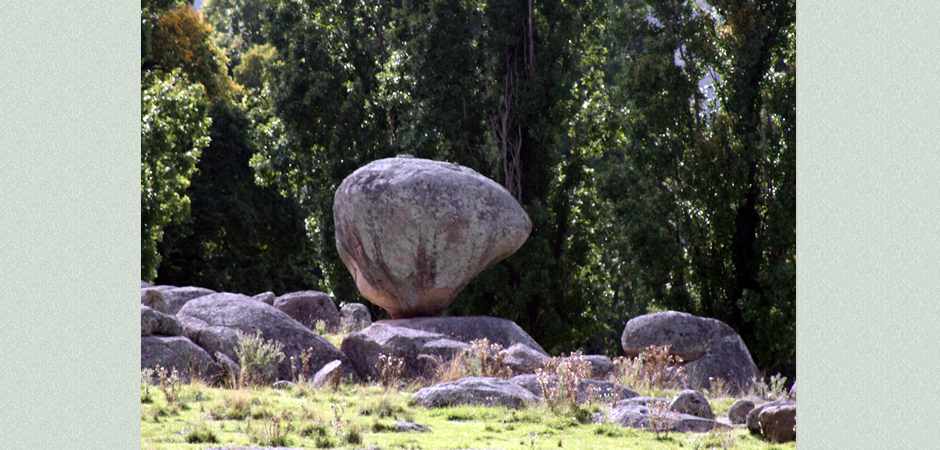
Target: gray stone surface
x=329, y=374
x=308, y=307
x=778, y=422
x=177, y=352
x=601, y=365
x=692, y=403
x=709, y=347
x=214, y=321
x=524, y=359
x=753, y=417
x=413, y=232
x=737, y=413
x=153, y=322
x=475, y=391
x=588, y=390
x=354, y=317
x=265, y=297
x=635, y=415
x=177, y=297
x=441, y=337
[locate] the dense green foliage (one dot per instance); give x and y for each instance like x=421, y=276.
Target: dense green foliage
x=651, y=143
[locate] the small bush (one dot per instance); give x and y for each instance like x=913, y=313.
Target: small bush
x=560, y=378
x=258, y=358
x=313, y=429
x=324, y=442
x=482, y=359
x=658, y=419
x=170, y=384
x=352, y=436
x=656, y=368
x=201, y=435
x=383, y=408
x=272, y=433
x=391, y=369
x=773, y=389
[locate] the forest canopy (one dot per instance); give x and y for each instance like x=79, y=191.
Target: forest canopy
x=652, y=143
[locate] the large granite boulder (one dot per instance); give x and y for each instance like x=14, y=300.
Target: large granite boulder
x=308, y=307
x=414, y=340
x=177, y=352
x=475, y=391
x=155, y=322
x=639, y=414
x=265, y=297
x=354, y=317
x=413, y=232
x=709, y=347
x=214, y=320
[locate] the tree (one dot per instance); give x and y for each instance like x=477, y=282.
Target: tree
x=174, y=129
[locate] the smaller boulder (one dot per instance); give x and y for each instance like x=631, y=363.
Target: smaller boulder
x=151, y=298
x=778, y=422
x=329, y=375
x=601, y=365
x=265, y=297
x=475, y=391
x=692, y=403
x=309, y=307
x=524, y=359
x=177, y=297
x=354, y=317
x=753, y=417
x=636, y=415
x=283, y=384
x=588, y=390
x=403, y=426
x=177, y=352
x=153, y=322
x=737, y=414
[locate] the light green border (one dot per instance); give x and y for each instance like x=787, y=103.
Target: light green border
x=868, y=233
x=69, y=224
x=868, y=224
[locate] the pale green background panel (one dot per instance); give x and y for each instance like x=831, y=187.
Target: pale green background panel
x=69, y=224
x=868, y=207
x=868, y=235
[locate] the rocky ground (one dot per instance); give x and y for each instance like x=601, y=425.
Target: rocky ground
x=225, y=369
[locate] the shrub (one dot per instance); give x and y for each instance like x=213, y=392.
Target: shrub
x=352, y=436
x=383, y=408
x=201, y=435
x=775, y=389
x=258, y=358
x=560, y=378
x=170, y=384
x=272, y=433
x=653, y=369
x=658, y=419
x=481, y=359
x=146, y=379
x=391, y=369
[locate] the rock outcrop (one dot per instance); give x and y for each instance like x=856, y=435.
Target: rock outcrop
x=177, y=352
x=354, y=317
x=413, y=232
x=213, y=321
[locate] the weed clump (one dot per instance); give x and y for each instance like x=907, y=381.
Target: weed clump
x=258, y=358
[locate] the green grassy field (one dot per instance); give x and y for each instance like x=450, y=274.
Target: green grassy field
x=357, y=416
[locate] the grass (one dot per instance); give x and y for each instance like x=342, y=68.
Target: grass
x=357, y=416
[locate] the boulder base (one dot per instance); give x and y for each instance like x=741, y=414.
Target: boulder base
x=475, y=391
